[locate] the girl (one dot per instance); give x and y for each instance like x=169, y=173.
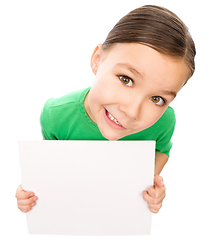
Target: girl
x=145, y=60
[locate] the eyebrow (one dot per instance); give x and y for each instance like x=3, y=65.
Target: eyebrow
x=135, y=72
x=129, y=67
x=170, y=93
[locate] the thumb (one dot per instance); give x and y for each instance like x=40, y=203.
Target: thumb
x=22, y=194
x=158, y=180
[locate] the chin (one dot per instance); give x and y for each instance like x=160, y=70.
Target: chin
x=112, y=139
x=112, y=136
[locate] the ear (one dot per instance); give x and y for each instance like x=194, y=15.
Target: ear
x=95, y=58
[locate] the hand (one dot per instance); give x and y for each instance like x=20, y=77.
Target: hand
x=25, y=200
x=155, y=195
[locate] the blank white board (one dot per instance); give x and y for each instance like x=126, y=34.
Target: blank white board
x=88, y=187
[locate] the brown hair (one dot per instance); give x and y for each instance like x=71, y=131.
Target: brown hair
x=158, y=28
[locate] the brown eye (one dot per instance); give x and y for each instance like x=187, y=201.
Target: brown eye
x=126, y=80
x=158, y=100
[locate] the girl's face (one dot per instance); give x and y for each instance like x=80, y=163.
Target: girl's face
x=133, y=87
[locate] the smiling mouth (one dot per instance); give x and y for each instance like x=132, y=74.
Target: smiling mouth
x=111, y=120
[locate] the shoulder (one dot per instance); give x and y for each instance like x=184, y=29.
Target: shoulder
x=72, y=97
x=57, y=112
x=58, y=104
x=166, y=123
x=168, y=116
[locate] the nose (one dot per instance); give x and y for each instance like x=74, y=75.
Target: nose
x=132, y=108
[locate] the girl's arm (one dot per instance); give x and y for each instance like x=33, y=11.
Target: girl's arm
x=160, y=161
x=154, y=197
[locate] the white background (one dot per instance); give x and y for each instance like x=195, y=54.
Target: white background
x=45, y=50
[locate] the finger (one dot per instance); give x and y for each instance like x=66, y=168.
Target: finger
x=156, y=191
x=25, y=208
x=158, y=180
x=19, y=188
x=153, y=211
x=26, y=202
x=155, y=208
x=153, y=204
x=150, y=200
x=25, y=211
x=22, y=194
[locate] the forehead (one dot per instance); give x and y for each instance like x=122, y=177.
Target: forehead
x=149, y=63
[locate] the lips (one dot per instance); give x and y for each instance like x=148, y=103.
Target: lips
x=110, y=116
x=112, y=121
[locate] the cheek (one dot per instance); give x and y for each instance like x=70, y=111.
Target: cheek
x=104, y=89
x=150, y=115
x=97, y=97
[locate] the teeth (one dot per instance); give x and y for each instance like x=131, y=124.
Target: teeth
x=116, y=121
x=113, y=119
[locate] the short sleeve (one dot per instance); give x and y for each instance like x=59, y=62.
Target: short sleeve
x=163, y=142
x=47, y=127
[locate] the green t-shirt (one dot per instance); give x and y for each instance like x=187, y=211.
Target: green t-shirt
x=65, y=118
